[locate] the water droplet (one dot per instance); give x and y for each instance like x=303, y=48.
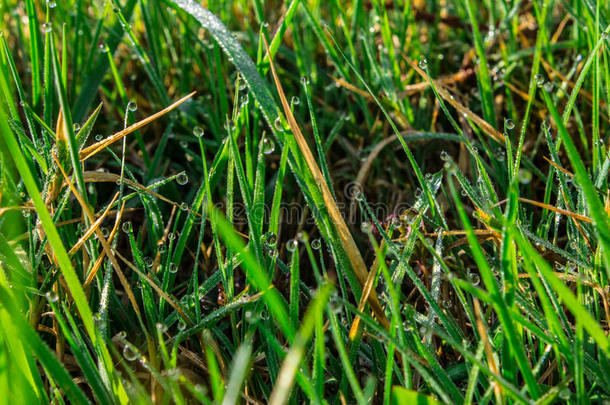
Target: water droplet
x=474, y=278
x=278, y=124
x=52, y=296
x=264, y=315
x=182, y=178
x=539, y=80
x=509, y=124
x=244, y=100
x=251, y=316
x=130, y=353
x=184, y=206
x=548, y=87
x=292, y=245
x=171, y=236
x=268, y=146
x=304, y=80
x=366, y=227
x=316, y=244
x=126, y=227
x=269, y=240
x=105, y=232
x=132, y=106
x=605, y=35
x=444, y=156
x=173, y=268
x=447, y=303
x=25, y=212
x=47, y=27
x=198, y=131
x=335, y=304
x=295, y=100
x=149, y=261
x=76, y=127
x=242, y=85
x=51, y=3
x=99, y=137
x=103, y=48
x=359, y=196
x=423, y=64
x=525, y=176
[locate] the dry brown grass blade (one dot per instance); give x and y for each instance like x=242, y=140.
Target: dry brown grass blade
x=366, y=292
x=102, y=177
x=162, y=293
x=89, y=151
x=101, y=238
x=445, y=95
x=555, y=209
x=556, y=166
x=344, y=234
x=100, y=259
x=93, y=227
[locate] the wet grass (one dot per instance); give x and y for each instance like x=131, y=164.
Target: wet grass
x=269, y=202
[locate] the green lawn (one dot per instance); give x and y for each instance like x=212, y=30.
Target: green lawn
x=304, y=201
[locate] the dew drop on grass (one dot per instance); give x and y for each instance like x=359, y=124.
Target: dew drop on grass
x=444, y=156
x=509, y=124
x=264, y=315
x=359, y=196
x=99, y=137
x=103, y=48
x=184, y=206
x=292, y=245
x=161, y=327
x=604, y=35
x=366, y=227
x=25, y=212
x=539, y=80
x=423, y=64
x=47, y=27
x=525, y=176
x=132, y=106
x=316, y=244
x=252, y=316
x=548, y=87
x=269, y=240
x=335, y=304
x=76, y=127
x=171, y=236
x=51, y=296
x=304, y=80
x=126, y=227
x=173, y=268
x=149, y=261
x=268, y=146
x=130, y=353
x=474, y=278
x=198, y=131
x=182, y=179
x=278, y=124
x=244, y=100
x=447, y=303
x=51, y=3
x=105, y=232
x=295, y=100
x=242, y=85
